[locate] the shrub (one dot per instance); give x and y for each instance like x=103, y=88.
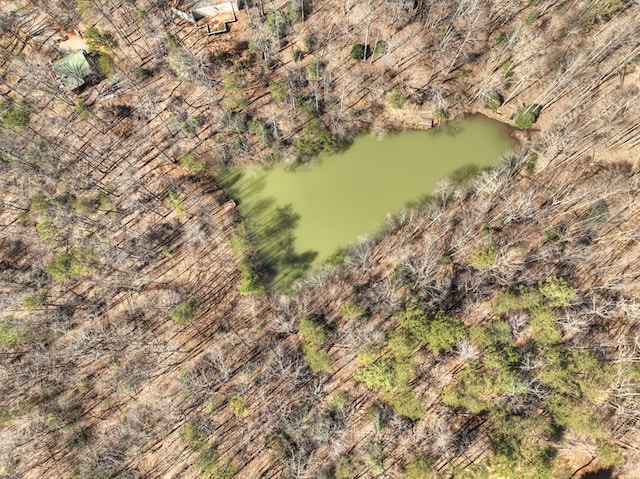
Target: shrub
x=368, y=356
x=106, y=64
x=544, y=326
x=378, y=375
x=237, y=406
x=311, y=332
x=181, y=61
x=558, y=292
x=492, y=100
x=261, y=131
x=85, y=206
x=11, y=333
x=481, y=259
x=464, y=174
x=99, y=41
x=359, y=51
x=39, y=203
x=422, y=468
x=308, y=43
x=9, y=414
x=276, y=24
x=397, y=98
x=598, y=10
x=313, y=139
x=530, y=18
x=193, y=163
x=142, y=73
x=502, y=39
x=212, y=466
x=313, y=70
x=236, y=122
x=306, y=106
x=507, y=68
x=598, y=212
x=174, y=202
x=375, y=462
x=527, y=116
x=345, y=469
x=83, y=6
x=405, y=402
x=401, y=344
x=278, y=89
x=609, y=454
x=441, y=113
x=339, y=402
x=351, y=309
x=250, y=282
x=297, y=55
x=72, y=264
x=35, y=301
x=182, y=313
x=530, y=167
x=194, y=437
x=317, y=359
x=379, y=47
x=190, y=125
x=444, y=332
x=14, y=117
x=47, y=231
x=294, y=10
x=552, y=235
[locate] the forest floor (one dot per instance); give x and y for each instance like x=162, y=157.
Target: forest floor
x=127, y=348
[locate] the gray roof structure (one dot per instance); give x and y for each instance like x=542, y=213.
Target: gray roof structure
x=73, y=70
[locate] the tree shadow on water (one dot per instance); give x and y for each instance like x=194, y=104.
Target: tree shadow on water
x=270, y=230
x=278, y=263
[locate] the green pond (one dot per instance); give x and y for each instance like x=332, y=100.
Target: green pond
x=299, y=217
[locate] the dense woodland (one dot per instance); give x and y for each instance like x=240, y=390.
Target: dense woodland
x=488, y=331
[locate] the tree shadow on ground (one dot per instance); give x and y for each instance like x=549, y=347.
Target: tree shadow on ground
x=600, y=474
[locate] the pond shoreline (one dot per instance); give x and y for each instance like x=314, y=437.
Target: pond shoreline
x=337, y=198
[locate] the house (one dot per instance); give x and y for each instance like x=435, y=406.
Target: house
x=208, y=15
x=74, y=70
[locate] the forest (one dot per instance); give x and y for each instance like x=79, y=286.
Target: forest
x=488, y=331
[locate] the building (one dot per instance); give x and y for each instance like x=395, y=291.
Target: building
x=208, y=15
x=74, y=70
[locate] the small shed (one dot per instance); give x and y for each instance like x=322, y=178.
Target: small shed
x=74, y=70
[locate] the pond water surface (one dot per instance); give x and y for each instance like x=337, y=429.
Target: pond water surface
x=301, y=217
